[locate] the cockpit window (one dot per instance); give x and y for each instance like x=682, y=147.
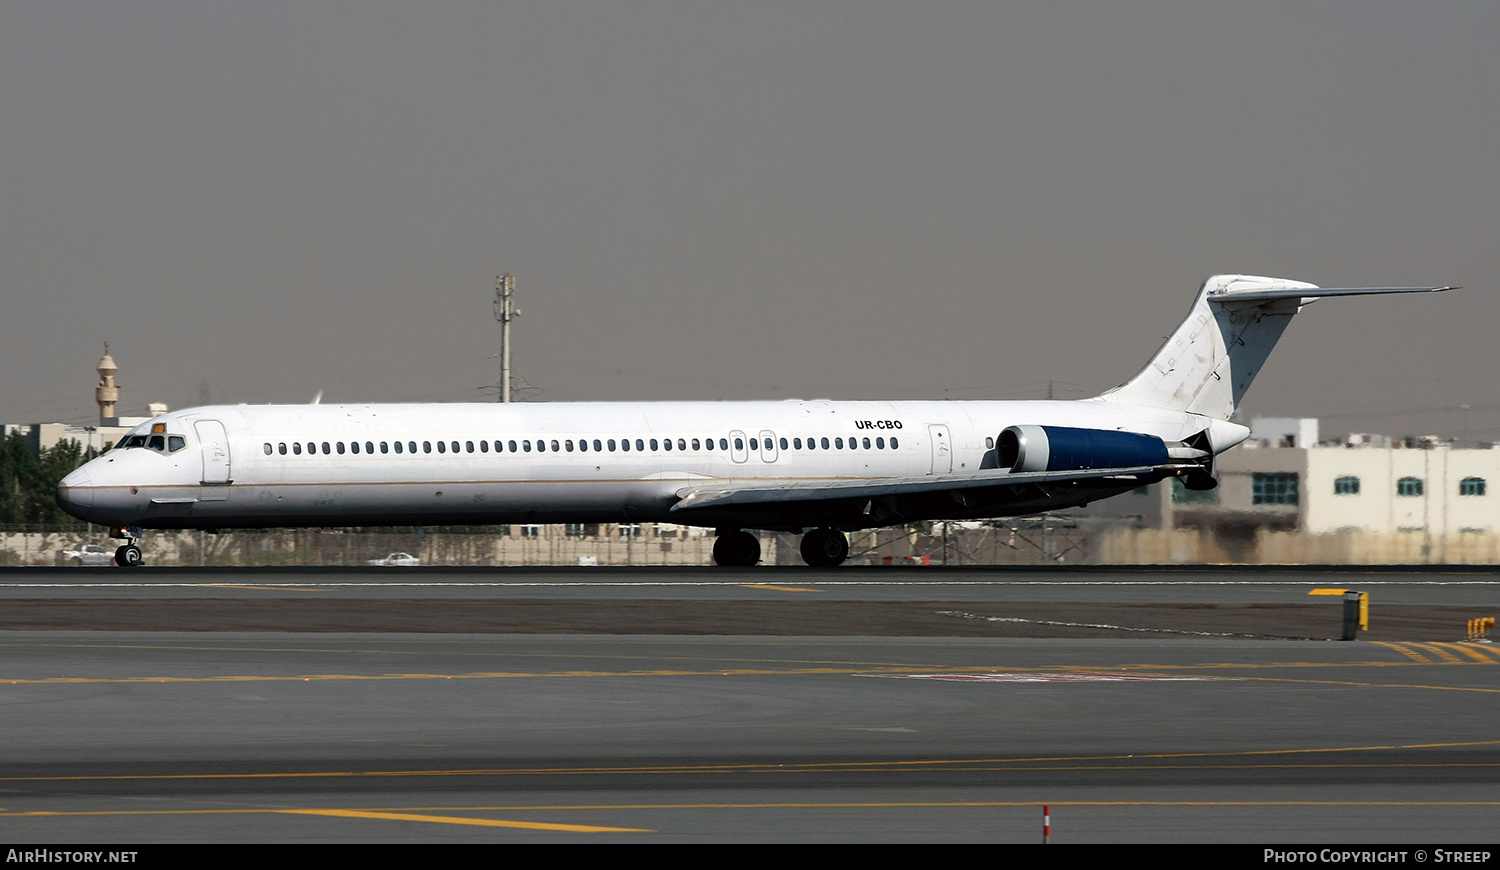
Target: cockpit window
x=157, y=443
x=177, y=442
x=134, y=441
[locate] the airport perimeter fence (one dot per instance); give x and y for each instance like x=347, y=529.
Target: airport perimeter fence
x=1020, y=542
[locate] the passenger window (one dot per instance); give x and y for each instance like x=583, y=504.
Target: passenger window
x=297, y=447
x=541, y=446
x=681, y=443
x=838, y=443
x=708, y=443
x=639, y=444
x=880, y=443
x=989, y=442
x=386, y=448
x=625, y=444
x=554, y=445
x=526, y=446
x=697, y=445
x=867, y=443
x=894, y=445
x=442, y=447
x=340, y=446
x=598, y=446
x=723, y=443
x=666, y=443
x=327, y=451
x=468, y=446
x=398, y=446
x=569, y=445
x=426, y=446
x=797, y=443
x=500, y=447
x=512, y=446
x=484, y=447
x=825, y=443
x=739, y=444
x=268, y=444
x=353, y=446
x=653, y=445
x=455, y=446
x=783, y=444
x=411, y=447
x=611, y=445
x=754, y=444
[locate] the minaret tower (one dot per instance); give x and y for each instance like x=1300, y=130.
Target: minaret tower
x=107, y=394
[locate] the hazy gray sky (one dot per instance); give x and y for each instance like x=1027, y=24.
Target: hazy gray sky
x=257, y=201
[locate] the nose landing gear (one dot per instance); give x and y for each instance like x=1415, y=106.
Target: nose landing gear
x=128, y=555
x=824, y=548
x=736, y=548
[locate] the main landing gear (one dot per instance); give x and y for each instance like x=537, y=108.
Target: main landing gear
x=824, y=548
x=821, y=548
x=128, y=555
x=736, y=548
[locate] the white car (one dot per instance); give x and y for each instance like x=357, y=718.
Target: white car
x=396, y=560
x=87, y=555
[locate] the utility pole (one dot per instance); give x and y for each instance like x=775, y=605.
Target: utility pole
x=505, y=312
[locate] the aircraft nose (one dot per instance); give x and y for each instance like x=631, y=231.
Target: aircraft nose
x=75, y=494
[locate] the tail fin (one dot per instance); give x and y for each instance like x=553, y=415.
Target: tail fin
x=1209, y=362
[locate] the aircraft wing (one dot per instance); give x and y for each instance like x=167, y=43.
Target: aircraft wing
x=722, y=495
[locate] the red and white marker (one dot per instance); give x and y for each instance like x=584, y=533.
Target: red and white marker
x=1046, y=823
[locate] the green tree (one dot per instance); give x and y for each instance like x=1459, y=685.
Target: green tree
x=28, y=482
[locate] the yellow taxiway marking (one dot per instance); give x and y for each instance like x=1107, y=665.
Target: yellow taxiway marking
x=1439, y=650
x=421, y=813
x=1404, y=650
x=1059, y=762
x=460, y=820
x=778, y=588
x=1477, y=648
x=1472, y=653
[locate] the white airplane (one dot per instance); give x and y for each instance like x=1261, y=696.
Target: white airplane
x=819, y=468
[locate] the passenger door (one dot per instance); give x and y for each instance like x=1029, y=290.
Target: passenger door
x=942, y=448
x=213, y=443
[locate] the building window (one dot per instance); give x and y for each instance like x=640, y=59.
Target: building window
x=1273, y=488
x=573, y=530
x=1471, y=486
x=1410, y=486
x=1346, y=485
x=531, y=531
x=630, y=530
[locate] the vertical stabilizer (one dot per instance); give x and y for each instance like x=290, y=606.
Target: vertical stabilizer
x=1209, y=362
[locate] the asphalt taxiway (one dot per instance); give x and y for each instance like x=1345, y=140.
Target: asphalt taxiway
x=339, y=735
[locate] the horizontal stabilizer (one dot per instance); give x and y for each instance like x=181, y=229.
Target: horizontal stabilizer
x=1226, y=297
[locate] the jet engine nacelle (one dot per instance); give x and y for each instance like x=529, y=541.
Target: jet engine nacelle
x=1060, y=448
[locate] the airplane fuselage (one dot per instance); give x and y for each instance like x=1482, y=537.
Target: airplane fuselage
x=317, y=465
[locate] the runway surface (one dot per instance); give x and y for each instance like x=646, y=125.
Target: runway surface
x=327, y=735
